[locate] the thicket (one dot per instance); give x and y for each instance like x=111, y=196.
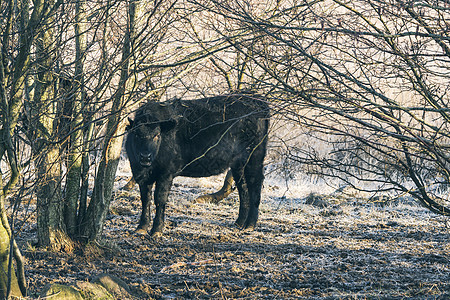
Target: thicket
x=368, y=78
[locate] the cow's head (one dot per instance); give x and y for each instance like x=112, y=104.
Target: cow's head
x=147, y=137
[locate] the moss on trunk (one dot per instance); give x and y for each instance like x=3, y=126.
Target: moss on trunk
x=5, y=245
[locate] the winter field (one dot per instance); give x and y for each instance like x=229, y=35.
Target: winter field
x=339, y=245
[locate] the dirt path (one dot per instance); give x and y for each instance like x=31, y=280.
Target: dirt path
x=347, y=250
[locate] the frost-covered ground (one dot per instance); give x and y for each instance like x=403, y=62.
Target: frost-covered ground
x=337, y=247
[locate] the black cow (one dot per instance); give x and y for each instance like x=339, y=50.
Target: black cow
x=199, y=138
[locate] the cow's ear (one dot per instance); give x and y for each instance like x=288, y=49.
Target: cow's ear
x=168, y=125
x=130, y=124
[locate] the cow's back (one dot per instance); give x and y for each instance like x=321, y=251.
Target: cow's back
x=215, y=133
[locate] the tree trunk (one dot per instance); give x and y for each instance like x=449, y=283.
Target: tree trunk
x=51, y=229
x=76, y=138
x=13, y=289
x=112, y=146
x=88, y=137
x=104, y=184
x=9, y=284
x=12, y=278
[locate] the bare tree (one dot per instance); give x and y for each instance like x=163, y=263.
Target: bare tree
x=371, y=77
x=115, y=128
x=70, y=84
x=78, y=106
x=46, y=149
x=152, y=61
x=17, y=34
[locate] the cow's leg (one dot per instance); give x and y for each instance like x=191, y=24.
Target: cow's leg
x=244, y=201
x=144, y=222
x=254, y=182
x=162, y=190
x=218, y=196
x=254, y=175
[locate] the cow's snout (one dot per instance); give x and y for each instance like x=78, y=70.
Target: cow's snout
x=145, y=159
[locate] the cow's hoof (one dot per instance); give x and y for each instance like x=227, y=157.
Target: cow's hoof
x=154, y=236
x=155, y=233
x=239, y=225
x=240, y=222
x=140, y=231
x=249, y=227
x=246, y=227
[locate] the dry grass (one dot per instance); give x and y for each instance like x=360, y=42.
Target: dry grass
x=347, y=250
